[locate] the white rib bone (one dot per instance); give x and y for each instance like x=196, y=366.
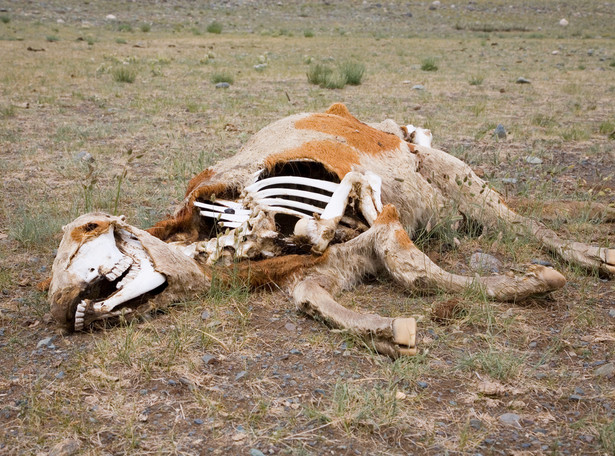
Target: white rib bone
x=220, y=209
x=293, y=180
x=278, y=191
x=277, y=202
x=226, y=217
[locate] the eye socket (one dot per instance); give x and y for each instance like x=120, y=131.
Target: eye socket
x=92, y=269
x=90, y=227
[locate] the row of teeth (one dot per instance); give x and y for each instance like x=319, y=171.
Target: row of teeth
x=119, y=268
x=80, y=315
x=132, y=274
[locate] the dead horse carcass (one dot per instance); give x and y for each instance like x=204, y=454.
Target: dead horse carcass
x=312, y=203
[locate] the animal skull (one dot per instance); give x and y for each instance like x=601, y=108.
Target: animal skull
x=312, y=203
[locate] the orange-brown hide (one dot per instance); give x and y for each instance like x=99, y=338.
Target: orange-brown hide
x=338, y=121
x=278, y=270
x=89, y=230
x=390, y=215
x=184, y=225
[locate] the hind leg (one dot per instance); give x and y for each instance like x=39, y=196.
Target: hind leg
x=456, y=180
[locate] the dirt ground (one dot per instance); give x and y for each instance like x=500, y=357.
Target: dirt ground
x=243, y=372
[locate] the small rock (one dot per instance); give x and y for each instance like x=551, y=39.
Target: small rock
x=110, y=17
x=255, y=452
x=198, y=421
x=46, y=342
x=60, y=375
x=205, y=315
x=84, y=156
x=563, y=23
x=533, y=160
x=66, y=447
x=579, y=391
x=482, y=262
x=500, y=132
x=541, y=262
x=555, y=53
x=510, y=419
x=522, y=80
x=208, y=359
x=294, y=351
x=590, y=52
x=575, y=397
x=418, y=87
x=260, y=67
x=290, y=327
x=607, y=371
x=422, y=384
x=222, y=85
x=400, y=395
x=612, y=313
x=60, y=21
x=509, y=180
x=320, y=392
x=476, y=424
x=533, y=345
x=240, y=375
x=587, y=438
x=172, y=382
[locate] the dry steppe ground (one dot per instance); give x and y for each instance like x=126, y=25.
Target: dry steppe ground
x=117, y=114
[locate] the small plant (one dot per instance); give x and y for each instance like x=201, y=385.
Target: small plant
x=317, y=73
x=120, y=41
x=124, y=74
x=90, y=40
x=308, y=33
x=497, y=364
x=543, y=120
x=7, y=111
x=612, y=64
x=429, y=64
x=5, y=19
x=124, y=28
x=607, y=127
x=34, y=226
x=145, y=27
x=575, y=134
x=353, y=72
x=214, y=27
x=52, y=38
x=476, y=80
x=607, y=437
x=222, y=76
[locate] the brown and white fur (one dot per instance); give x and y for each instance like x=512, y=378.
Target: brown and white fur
x=418, y=183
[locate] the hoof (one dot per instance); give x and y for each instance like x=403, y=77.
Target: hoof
x=404, y=333
x=552, y=279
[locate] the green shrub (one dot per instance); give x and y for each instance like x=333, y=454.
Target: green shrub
x=215, y=27
x=124, y=28
x=120, y=41
x=353, y=72
x=145, y=27
x=317, y=73
x=429, y=64
x=124, y=74
x=5, y=19
x=52, y=38
x=222, y=76
x=308, y=33
x=476, y=80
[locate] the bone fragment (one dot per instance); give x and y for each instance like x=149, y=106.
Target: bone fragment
x=220, y=209
x=293, y=180
x=279, y=191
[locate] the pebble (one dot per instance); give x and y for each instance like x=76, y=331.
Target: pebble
x=241, y=375
x=476, y=424
x=320, y=392
x=418, y=87
x=60, y=375
x=290, y=327
x=222, y=85
x=500, y=132
x=533, y=160
x=533, y=345
x=612, y=313
x=205, y=315
x=208, y=359
x=84, y=156
x=198, y=421
x=482, y=262
x=541, y=262
x=66, y=447
x=422, y=384
x=46, y=342
x=608, y=371
x=563, y=22
x=522, y=80
x=172, y=382
x=260, y=67
x=255, y=452
x=110, y=17
x=294, y=351
x=575, y=397
x=510, y=419
x=509, y=180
